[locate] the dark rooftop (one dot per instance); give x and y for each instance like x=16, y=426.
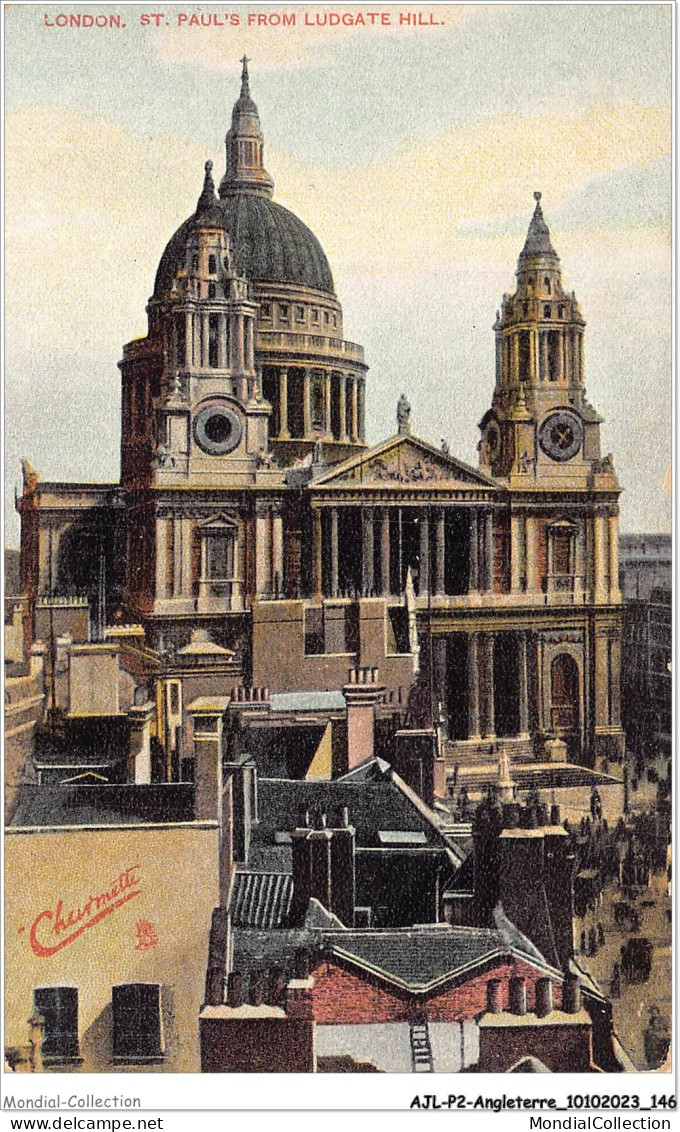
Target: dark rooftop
x=51, y=806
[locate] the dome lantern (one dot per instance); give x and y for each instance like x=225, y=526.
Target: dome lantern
x=245, y=147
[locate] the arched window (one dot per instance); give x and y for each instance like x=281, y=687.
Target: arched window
x=546, y=310
x=560, y=312
x=212, y=264
x=561, y=556
x=546, y=284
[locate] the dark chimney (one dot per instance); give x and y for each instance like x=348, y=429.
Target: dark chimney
x=518, y=995
x=543, y=816
x=544, y=999
x=276, y=986
x=571, y=994
x=555, y=815
x=235, y=989
x=494, y=1002
x=257, y=988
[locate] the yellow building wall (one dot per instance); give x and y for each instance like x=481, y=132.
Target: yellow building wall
x=166, y=877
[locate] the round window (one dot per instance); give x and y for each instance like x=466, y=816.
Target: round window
x=217, y=429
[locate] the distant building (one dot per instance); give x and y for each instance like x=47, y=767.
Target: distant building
x=645, y=564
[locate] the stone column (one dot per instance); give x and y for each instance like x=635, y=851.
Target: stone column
x=560, y=355
x=488, y=552
x=440, y=552
x=530, y=536
x=284, y=434
x=602, y=679
x=343, y=408
x=486, y=683
x=424, y=578
x=385, y=551
x=334, y=551
x=516, y=528
x=221, y=341
x=327, y=394
x=277, y=553
x=534, y=358
x=361, y=406
x=599, y=525
x=205, y=340
x=161, y=558
x=197, y=340
x=570, y=354
x=515, y=358
x=240, y=356
x=523, y=682
x=474, y=731
x=317, y=551
x=186, y=585
x=615, y=681
x=545, y=363
x=473, y=578
x=354, y=408
x=188, y=340
x=261, y=561
x=178, y=556
x=250, y=343
x=614, y=591
x=368, y=549
x=139, y=750
x=499, y=361
x=307, y=401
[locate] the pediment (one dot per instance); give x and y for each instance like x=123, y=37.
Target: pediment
x=405, y=461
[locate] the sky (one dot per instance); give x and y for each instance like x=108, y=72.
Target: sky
x=411, y=151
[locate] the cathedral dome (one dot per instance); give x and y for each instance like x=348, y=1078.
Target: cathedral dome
x=270, y=243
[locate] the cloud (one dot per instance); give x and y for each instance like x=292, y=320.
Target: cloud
x=277, y=44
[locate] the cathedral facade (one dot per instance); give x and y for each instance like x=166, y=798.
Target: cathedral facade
x=256, y=543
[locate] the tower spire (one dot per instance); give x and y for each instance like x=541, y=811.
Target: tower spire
x=208, y=211
x=245, y=146
x=537, y=242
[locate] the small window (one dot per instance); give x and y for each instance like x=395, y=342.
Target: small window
x=59, y=1009
x=194, y=263
x=300, y=314
x=335, y=321
x=326, y=317
x=283, y=312
x=137, y=1028
x=212, y=265
x=266, y=310
x=212, y=290
x=315, y=315
x=546, y=310
x=560, y=312
x=546, y=284
x=213, y=335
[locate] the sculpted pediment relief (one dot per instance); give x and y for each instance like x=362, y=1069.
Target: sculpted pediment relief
x=406, y=463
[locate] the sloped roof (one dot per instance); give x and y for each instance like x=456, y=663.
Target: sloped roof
x=261, y=900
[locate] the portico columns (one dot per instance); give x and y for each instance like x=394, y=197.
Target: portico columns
x=334, y=552
x=317, y=545
x=473, y=686
x=440, y=552
x=261, y=565
x=486, y=686
x=368, y=549
x=523, y=685
x=473, y=580
x=283, y=405
x=385, y=551
x=277, y=552
x=424, y=578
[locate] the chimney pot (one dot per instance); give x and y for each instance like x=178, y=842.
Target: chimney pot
x=571, y=994
x=544, y=998
x=542, y=815
x=518, y=995
x=235, y=989
x=319, y=819
x=555, y=815
x=511, y=815
x=342, y=818
x=257, y=988
x=302, y=818
x=494, y=1003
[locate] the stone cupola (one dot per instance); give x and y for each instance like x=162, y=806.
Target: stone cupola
x=245, y=147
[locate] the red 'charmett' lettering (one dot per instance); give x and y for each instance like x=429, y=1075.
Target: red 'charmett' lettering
x=72, y=923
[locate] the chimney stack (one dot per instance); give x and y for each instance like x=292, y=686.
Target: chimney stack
x=324, y=866
x=544, y=999
x=518, y=995
x=362, y=693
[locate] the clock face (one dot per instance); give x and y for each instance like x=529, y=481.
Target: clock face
x=561, y=435
x=217, y=429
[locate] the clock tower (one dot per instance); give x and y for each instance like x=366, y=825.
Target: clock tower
x=540, y=426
